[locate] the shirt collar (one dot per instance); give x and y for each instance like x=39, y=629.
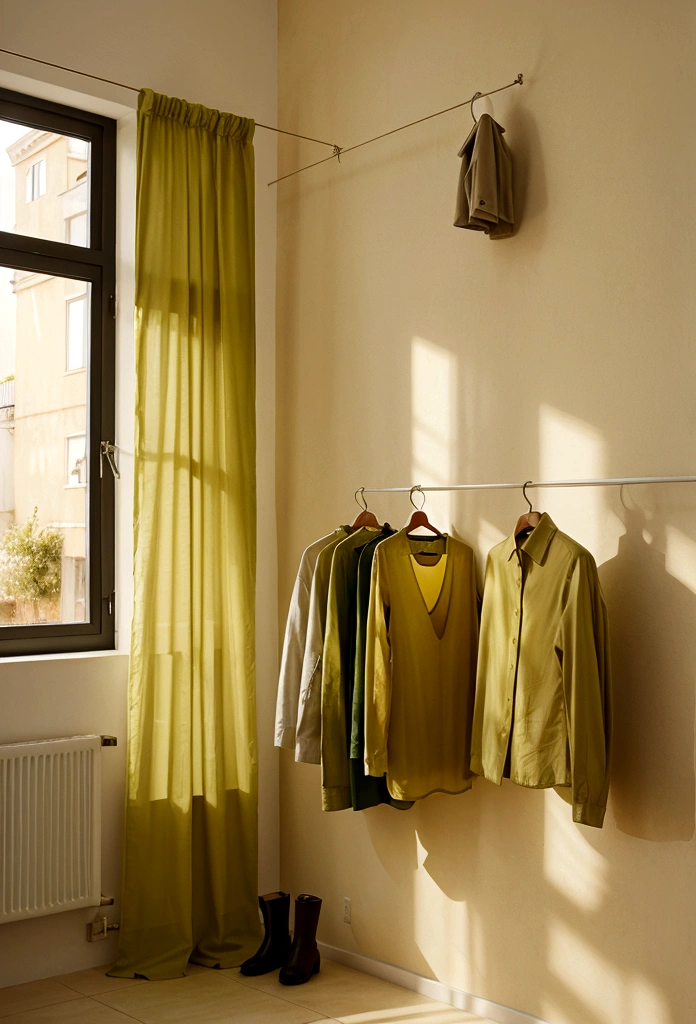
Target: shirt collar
x=537, y=543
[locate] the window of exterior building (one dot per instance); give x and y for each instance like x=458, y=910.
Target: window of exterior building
x=76, y=229
x=77, y=328
x=36, y=181
x=57, y=298
x=76, y=460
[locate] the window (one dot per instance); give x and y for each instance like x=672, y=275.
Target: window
x=57, y=297
x=36, y=181
x=77, y=329
x=76, y=229
x=76, y=460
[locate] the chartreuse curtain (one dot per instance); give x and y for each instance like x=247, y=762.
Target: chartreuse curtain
x=189, y=889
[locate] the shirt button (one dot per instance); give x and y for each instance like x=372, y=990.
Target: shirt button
x=517, y=612
x=514, y=642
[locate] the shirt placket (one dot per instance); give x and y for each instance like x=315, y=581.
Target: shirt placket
x=514, y=654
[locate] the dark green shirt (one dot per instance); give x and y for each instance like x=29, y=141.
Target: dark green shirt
x=342, y=785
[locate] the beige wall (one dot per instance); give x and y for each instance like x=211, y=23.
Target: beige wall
x=223, y=55
x=410, y=351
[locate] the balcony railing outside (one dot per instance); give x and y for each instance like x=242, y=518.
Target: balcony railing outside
x=7, y=394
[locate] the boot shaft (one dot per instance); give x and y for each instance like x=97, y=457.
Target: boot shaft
x=307, y=910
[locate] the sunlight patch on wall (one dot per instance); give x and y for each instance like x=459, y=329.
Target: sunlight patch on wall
x=571, y=449
x=488, y=536
x=434, y=425
x=588, y=976
x=571, y=865
x=440, y=926
x=647, y=1004
x=680, y=557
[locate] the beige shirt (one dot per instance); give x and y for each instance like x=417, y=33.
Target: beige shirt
x=543, y=698
x=420, y=670
x=308, y=731
x=290, y=676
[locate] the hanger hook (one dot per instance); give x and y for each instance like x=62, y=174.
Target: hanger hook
x=471, y=105
x=526, y=496
x=361, y=500
x=416, y=487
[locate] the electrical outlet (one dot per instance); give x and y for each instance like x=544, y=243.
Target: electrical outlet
x=346, y=909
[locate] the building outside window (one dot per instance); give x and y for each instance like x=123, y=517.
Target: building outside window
x=36, y=181
x=77, y=327
x=76, y=460
x=76, y=229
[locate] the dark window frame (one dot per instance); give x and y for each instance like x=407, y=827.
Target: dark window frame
x=96, y=265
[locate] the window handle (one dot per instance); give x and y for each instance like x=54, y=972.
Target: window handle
x=106, y=448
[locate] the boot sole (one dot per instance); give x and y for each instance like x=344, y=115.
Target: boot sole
x=301, y=981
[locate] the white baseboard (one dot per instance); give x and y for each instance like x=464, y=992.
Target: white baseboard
x=428, y=987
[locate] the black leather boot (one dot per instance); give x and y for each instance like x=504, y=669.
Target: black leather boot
x=304, y=959
x=275, y=948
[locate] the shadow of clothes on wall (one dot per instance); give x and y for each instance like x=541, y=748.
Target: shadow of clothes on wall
x=652, y=617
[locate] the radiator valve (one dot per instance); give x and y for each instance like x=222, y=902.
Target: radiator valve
x=99, y=929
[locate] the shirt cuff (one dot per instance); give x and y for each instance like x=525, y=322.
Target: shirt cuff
x=285, y=736
x=376, y=766
x=589, y=814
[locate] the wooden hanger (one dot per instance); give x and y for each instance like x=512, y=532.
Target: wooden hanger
x=530, y=519
x=419, y=518
x=365, y=518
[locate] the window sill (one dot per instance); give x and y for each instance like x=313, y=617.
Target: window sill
x=68, y=656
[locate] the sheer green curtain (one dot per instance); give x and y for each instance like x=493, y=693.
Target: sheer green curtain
x=190, y=867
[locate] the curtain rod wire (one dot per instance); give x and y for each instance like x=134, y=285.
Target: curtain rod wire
x=133, y=88
x=338, y=152
x=607, y=482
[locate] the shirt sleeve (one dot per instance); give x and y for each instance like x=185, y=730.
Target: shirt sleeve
x=291, y=666
x=584, y=642
x=334, y=752
x=378, y=680
x=308, y=738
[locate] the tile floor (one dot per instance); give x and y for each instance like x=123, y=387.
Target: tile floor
x=337, y=994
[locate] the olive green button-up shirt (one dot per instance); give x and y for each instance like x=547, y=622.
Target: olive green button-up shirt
x=543, y=696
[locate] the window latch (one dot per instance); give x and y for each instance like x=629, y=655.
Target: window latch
x=108, y=450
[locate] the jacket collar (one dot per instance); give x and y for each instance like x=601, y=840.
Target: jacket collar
x=472, y=134
x=537, y=543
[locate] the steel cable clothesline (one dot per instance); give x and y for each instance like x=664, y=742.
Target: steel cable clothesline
x=338, y=151
x=619, y=481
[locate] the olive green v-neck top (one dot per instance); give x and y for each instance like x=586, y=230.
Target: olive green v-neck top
x=420, y=673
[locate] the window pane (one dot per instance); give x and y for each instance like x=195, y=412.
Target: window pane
x=43, y=183
x=43, y=449
x=77, y=332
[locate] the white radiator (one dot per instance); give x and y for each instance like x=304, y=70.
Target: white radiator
x=50, y=826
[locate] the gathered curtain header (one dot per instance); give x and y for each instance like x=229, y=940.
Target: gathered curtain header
x=195, y=115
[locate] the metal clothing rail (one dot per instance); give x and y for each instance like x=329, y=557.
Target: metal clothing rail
x=618, y=481
x=339, y=152
x=134, y=88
